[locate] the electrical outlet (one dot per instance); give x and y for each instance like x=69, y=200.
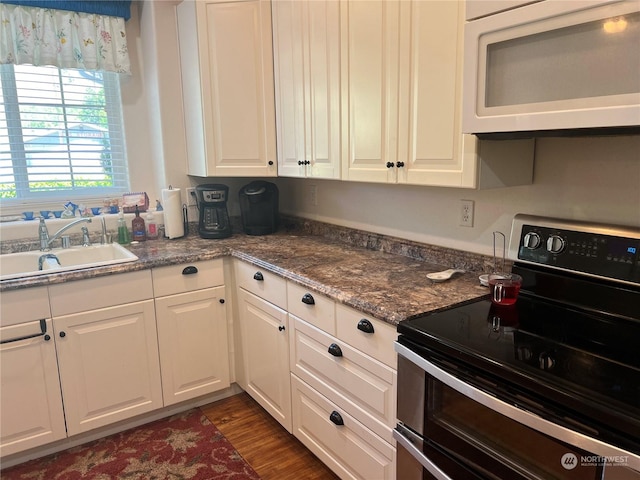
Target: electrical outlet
x=191, y=197
x=313, y=195
x=466, y=213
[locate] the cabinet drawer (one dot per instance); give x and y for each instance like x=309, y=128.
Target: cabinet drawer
x=351, y=450
x=371, y=336
x=264, y=284
x=25, y=305
x=84, y=295
x=187, y=277
x=359, y=384
x=320, y=311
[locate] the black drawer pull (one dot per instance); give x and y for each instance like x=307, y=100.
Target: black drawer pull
x=63, y=334
x=335, y=350
x=365, y=326
x=336, y=418
x=258, y=276
x=190, y=270
x=308, y=299
x=43, y=330
x=281, y=328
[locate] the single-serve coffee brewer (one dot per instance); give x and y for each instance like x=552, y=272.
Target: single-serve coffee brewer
x=213, y=219
x=259, y=208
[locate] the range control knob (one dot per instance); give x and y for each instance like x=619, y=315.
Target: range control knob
x=531, y=240
x=555, y=244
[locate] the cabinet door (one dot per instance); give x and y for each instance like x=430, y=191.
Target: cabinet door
x=430, y=133
x=30, y=398
x=322, y=61
x=236, y=40
x=307, y=65
x=192, y=338
x=370, y=53
x=290, y=87
x=265, y=351
x=108, y=362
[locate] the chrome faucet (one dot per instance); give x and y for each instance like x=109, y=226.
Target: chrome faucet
x=46, y=240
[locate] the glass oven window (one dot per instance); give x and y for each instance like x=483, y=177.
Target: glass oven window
x=494, y=444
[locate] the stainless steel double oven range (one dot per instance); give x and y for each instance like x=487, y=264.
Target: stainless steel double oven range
x=548, y=388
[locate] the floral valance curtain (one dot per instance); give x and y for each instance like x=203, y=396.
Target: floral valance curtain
x=64, y=38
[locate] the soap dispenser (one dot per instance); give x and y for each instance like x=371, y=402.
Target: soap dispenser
x=123, y=231
x=138, y=228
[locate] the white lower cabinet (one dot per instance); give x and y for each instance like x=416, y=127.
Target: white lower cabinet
x=82, y=355
x=353, y=381
x=343, y=382
x=192, y=329
x=108, y=362
x=30, y=397
x=265, y=355
x=192, y=336
x=337, y=438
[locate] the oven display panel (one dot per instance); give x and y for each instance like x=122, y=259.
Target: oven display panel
x=597, y=254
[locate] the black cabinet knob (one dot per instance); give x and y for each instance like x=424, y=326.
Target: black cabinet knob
x=47, y=338
x=390, y=164
x=63, y=334
x=300, y=162
x=221, y=300
x=335, y=350
x=365, y=326
x=307, y=162
x=400, y=164
x=281, y=328
x=308, y=299
x=190, y=270
x=336, y=418
x=258, y=276
x=270, y=162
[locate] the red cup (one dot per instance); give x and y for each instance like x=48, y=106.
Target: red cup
x=504, y=288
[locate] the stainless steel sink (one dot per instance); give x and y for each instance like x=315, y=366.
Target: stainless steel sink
x=29, y=264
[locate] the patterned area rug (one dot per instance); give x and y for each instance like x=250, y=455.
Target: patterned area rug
x=186, y=446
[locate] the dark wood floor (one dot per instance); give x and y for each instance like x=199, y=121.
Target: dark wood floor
x=273, y=452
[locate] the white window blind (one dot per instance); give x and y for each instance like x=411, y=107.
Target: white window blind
x=61, y=134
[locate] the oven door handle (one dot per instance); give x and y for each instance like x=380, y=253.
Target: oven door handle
x=401, y=434
x=524, y=417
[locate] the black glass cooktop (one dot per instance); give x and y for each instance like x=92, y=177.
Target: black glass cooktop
x=565, y=354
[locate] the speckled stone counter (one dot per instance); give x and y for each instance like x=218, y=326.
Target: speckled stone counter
x=357, y=271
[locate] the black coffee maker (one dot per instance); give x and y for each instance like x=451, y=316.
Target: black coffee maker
x=259, y=208
x=213, y=220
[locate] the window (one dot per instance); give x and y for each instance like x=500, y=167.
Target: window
x=61, y=134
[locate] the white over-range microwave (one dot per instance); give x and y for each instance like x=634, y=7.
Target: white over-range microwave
x=558, y=66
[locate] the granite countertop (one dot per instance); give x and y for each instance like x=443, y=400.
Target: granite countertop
x=388, y=286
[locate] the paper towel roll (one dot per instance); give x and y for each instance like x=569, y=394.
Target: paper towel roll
x=172, y=205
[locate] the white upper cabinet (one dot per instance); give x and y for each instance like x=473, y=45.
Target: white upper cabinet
x=430, y=148
x=402, y=100
x=306, y=41
x=370, y=58
x=227, y=82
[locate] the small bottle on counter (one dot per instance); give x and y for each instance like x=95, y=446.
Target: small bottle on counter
x=152, y=227
x=123, y=231
x=137, y=227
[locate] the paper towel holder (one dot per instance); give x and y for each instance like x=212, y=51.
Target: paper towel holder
x=172, y=207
